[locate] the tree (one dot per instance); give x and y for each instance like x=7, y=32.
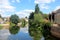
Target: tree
x=41, y=12
x=23, y=23
x=45, y=16
x=37, y=9
x=14, y=19
x=31, y=15
x=0, y=16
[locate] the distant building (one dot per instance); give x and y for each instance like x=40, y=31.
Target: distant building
x=26, y=19
x=4, y=20
x=1, y=21
x=55, y=16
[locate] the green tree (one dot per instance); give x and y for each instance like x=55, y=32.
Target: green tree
x=41, y=12
x=45, y=16
x=14, y=19
x=37, y=8
x=31, y=15
x=23, y=22
x=0, y=16
x=14, y=29
x=35, y=27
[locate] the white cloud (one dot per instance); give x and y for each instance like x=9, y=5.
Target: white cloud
x=58, y=7
x=24, y=13
x=43, y=6
x=6, y=7
x=18, y=1
x=43, y=3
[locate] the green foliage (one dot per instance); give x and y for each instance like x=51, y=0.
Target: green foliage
x=38, y=27
x=0, y=16
x=45, y=16
x=37, y=9
x=35, y=24
x=14, y=19
x=41, y=12
x=14, y=29
x=12, y=24
x=31, y=16
x=1, y=26
x=38, y=17
x=23, y=23
x=35, y=29
x=46, y=31
x=46, y=28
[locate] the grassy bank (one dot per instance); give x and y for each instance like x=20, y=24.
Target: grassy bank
x=1, y=26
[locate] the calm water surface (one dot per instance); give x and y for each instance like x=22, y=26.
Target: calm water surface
x=23, y=34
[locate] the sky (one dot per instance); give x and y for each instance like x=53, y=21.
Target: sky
x=24, y=7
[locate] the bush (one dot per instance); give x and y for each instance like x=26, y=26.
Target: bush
x=23, y=22
x=35, y=30
x=12, y=24
x=38, y=17
x=35, y=26
x=46, y=30
x=45, y=16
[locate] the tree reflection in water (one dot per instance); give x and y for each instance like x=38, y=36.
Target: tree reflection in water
x=35, y=31
x=14, y=29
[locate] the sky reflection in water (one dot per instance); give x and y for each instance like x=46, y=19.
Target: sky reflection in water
x=22, y=35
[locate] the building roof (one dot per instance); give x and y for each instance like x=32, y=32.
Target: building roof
x=56, y=11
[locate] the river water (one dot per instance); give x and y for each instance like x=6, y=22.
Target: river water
x=23, y=34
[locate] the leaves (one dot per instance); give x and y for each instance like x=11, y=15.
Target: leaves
x=14, y=19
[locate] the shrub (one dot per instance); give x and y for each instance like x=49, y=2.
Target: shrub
x=12, y=24
x=35, y=26
x=23, y=23
x=46, y=30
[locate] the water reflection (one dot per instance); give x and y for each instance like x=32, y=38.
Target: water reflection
x=22, y=35
x=35, y=33
x=14, y=29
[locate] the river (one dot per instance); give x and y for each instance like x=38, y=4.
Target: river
x=23, y=34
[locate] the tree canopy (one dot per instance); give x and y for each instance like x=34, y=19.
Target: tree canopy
x=0, y=16
x=14, y=19
x=31, y=16
x=37, y=8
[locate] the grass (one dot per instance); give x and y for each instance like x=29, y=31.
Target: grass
x=1, y=26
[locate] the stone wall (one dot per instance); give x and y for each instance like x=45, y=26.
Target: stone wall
x=57, y=18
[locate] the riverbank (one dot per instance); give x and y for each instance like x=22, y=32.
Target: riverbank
x=6, y=26
x=55, y=30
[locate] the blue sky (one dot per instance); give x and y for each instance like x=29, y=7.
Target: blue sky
x=24, y=7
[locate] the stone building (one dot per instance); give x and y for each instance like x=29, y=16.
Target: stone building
x=55, y=28
x=55, y=16
x=1, y=21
